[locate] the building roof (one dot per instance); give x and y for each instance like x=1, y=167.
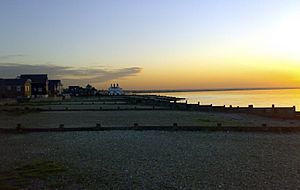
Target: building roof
x=72, y=87
x=35, y=78
x=54, y=82
x=12, y=82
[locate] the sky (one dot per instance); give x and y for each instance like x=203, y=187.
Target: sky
x=155, y=44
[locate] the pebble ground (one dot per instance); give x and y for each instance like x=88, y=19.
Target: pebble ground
x=161, y=160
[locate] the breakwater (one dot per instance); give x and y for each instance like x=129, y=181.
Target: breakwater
x=273, y=111
x=146, y=102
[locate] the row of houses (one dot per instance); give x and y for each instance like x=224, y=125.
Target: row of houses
x=89, y=90
x=113, y=90
x=30, y=86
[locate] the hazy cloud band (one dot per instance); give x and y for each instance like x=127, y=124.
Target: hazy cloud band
x=69, y=75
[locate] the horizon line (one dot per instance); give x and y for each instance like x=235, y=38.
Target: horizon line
x=211, y=89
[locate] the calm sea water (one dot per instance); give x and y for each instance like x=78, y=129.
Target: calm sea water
x=258, y=98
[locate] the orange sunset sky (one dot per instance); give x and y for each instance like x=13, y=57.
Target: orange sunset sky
x=154, y=44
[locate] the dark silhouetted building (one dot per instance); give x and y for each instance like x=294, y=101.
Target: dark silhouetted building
x=80, y=91
x=15, y=88
x=89, y=90
x=39, y=84
x=55, y=87
x=74, y=90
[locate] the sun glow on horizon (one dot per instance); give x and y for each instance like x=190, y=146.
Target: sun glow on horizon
x=158, y=45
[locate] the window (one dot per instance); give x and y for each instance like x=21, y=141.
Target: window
x=27, y=88
x=18, y=88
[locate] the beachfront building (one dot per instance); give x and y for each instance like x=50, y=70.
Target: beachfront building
x=115, y=90
x=15, y=88
x=74, y=90
x=55, y=87
x=39, y=84
x=89, y=90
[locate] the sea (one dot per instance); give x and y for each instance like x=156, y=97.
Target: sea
x=257, y=98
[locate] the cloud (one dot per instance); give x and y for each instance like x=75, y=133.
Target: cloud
x=69, y=75
x=7, y=57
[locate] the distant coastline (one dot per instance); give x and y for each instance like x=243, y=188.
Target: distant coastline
x=209, y=90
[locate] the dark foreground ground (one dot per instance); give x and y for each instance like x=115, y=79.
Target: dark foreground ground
x=150, y=160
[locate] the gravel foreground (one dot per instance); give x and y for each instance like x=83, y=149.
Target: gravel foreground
x=159, y=160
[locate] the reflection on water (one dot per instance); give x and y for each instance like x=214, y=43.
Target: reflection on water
x=258, y=98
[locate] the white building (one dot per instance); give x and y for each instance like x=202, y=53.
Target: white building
x=115, y=90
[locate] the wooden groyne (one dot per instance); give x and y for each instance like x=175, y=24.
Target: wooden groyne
x=276, y=112
x=151, y=102
x=264, y=129
x=81, y=109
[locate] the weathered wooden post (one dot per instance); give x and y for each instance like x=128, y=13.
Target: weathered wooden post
x=186, y=104
x=135, y=125
x=273, y=106
x=175, y=126
x=19, y=128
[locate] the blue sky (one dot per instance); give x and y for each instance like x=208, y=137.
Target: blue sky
x=151, y=35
